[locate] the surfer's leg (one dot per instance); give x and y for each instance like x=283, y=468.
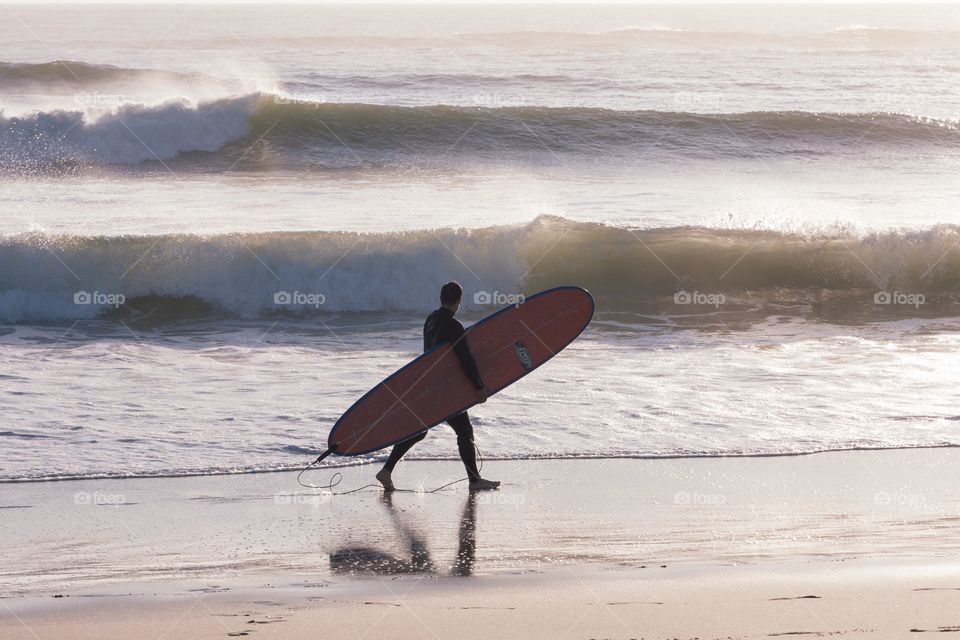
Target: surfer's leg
x=461, y=424
x=400, y=449
x=385, y=475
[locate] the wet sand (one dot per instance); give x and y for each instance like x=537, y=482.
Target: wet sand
x=723, y=547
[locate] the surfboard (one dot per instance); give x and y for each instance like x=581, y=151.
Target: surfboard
x=507, y=345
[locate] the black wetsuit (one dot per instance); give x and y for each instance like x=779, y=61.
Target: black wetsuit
x=442, y=327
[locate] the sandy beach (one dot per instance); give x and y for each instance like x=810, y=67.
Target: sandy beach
x=699, y=266
x=859, y=543
x=855, y=599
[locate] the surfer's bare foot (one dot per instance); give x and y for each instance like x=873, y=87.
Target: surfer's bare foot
x=484, y=485
x=383, y=477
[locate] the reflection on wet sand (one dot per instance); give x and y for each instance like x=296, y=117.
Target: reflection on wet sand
x=351, y=560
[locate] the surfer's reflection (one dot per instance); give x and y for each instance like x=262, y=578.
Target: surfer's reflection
x=370, y=560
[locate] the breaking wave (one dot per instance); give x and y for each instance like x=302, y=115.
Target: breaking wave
x=261, y=131
x=262, y=274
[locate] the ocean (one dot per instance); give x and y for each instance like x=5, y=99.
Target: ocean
x=220, y=225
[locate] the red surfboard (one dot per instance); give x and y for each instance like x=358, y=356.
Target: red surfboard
x=507, y=345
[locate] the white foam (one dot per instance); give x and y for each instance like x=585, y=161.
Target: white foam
x=242, y=273
x=129, y=134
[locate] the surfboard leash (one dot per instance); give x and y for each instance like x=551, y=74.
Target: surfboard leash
x=337, y=478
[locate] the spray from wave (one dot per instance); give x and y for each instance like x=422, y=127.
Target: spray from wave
x=129, y=135
x=262, y=274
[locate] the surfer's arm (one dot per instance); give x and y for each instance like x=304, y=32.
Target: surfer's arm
x=467, y=363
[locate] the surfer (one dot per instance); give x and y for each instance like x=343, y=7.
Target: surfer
x=442, y=327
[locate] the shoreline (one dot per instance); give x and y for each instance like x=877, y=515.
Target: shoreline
x=414, y=458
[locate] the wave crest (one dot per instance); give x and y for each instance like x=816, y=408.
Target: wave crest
x=76, y=73
x=260, y=131
x=129, y=135
x=626, y=269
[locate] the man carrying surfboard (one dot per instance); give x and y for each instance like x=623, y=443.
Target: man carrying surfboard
x=441, y=327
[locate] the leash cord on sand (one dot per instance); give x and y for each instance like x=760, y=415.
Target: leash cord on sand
x=337, y=478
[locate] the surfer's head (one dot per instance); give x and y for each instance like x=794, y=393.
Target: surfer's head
x=450, y=295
